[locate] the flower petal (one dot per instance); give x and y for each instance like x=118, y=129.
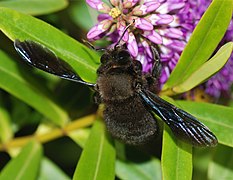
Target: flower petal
x=164, y=75
x=178, y=45
x=176, y=6
x=170, y=6
x=102, y=17
x=99, y=28
x=132, y=45
x=114, y=2
x=98, y=5
x=171, y=33
x=129, y=3
x=143, y=24
x=151, y=5
x=153, y=36
x=145, y=8
x=160, y=19
x=147, y=48
x=121, y=28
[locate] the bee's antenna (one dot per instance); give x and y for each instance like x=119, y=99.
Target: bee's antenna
x=126, y=28
x=92, y=46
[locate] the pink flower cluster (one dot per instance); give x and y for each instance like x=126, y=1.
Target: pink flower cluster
x=148, y=19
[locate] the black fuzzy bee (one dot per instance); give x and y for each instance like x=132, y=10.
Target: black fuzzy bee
x=129, y=95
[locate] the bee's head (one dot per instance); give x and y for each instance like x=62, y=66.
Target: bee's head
x=115, y=61
x=119, y=56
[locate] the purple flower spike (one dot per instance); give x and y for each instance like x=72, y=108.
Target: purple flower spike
x=176, y=34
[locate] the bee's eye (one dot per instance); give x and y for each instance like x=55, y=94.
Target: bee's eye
x=123, y=57
x=104, y=58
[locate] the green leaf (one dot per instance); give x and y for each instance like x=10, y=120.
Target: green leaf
x=35, y=7
x=222, y=165
x=201, y=160
x=176, y=157
x=50, y=171
x=218, y=118
x=6, y=132
x=26, y=165
x=203, y=41
x=143, y=170
x=98, y=157
x=24, y=111
x=20, y=26
x=12, y=80
x=206, y=70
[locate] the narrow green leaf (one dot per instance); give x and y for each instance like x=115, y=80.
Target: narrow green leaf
x=98, y=157
x=26, y=165
x=6, y=132
x=206, y=70
x=176, y=158
x=201, y=160
x=143, y=170
x=20, y=26
x=12, y=80
x=203, y=41
x=222, y=165
x=218, y=118
x=22, y=114
x=50, y=171
x=35, y=7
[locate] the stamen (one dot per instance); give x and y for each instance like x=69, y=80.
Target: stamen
x=115, y=12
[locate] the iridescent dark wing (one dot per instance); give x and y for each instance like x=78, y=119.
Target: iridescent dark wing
x=42, y=58
x=183, y=125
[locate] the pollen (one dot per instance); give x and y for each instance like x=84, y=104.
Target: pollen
x=115, y=12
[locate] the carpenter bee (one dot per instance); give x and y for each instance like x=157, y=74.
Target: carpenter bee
x=128, y=94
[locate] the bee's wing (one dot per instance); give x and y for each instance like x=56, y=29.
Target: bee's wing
x=43, y=58
x=183, y=125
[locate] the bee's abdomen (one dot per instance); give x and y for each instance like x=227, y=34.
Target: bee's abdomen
x=130, y=121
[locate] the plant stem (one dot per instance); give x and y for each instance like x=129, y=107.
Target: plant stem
x=53, y=134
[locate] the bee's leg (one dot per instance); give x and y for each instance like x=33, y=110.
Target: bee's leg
x=152, y=79
x=137, y=67
x=96, y=95
x=157, y=67
x=97, y=98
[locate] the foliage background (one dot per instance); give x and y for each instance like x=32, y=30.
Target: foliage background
x=46, y=127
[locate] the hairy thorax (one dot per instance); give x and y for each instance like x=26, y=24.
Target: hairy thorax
x=115, y=87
